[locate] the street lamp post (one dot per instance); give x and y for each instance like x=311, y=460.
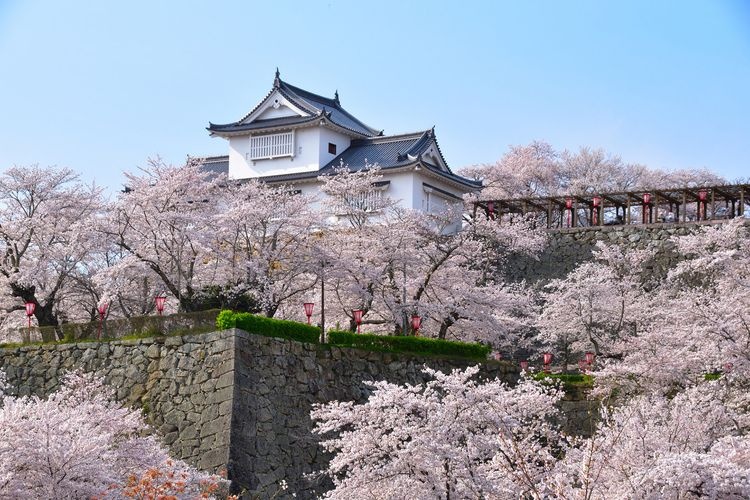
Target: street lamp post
x=30, y=308
x=569, y=209
x=357, y=314
x=102, y=309
x=308, y=310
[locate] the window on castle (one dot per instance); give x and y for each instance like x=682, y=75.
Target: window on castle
x=332, y=148
x=271, y=146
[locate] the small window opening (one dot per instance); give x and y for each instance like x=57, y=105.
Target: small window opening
x=332, y=148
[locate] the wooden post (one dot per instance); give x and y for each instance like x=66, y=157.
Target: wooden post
x=742, y=201
x=549, y=214
x=713, y=206
x=574, y=217
x=684, y=206
x=627, y=213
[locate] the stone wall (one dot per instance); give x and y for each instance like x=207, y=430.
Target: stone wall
x=278, y=381
x=183, y=384
x=235, y=400
x=570, y=247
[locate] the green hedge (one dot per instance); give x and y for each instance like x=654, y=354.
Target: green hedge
x=268, y=326
x=416, y=345
x=569, y=379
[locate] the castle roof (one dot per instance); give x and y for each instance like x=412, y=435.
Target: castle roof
x=313, y=105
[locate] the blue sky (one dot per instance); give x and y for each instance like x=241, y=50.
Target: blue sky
x=101, y=86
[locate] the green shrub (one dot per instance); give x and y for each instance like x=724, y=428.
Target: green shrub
x=225, y=320
x=268, y=326
x=417, y=345
x=569, y=379
x=712, y=376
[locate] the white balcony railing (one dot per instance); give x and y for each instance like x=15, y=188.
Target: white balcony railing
x=271, y=146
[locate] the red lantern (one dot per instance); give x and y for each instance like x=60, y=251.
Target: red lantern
x=416, y=322
x=498, y=356
x=102, y=311
x=703, y=194
x=728, y=367
x=582, y=366
x=491, y=209
x=524, y=365
x=160, y=301
x=590, y=358
x=357, y=314
x=646, y=198
x=308, y=310
x=547, y=357
x=568, y=202
x=30, y=308
x=596, y=202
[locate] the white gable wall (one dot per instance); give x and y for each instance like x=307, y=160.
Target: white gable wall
x=306, y=158
x=327, y=135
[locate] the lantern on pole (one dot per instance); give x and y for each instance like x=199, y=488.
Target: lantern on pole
x=646, y=203
x=102, y=309
x=524, y=365
x=357, y=314
x=702, y=197
x=547, y=358
x=596, y=201
x=160, y=301
x=491, y=210
x=590, y=358
x=569, y=208
x=308, y=310
x=416, y=322
x=30, y=308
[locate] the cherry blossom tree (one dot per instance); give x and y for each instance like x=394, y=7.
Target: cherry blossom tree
x=163, y=223
x=265, y=237
x=452, y=437
x=655, y=446
x=596, y=304
x=695, y=321
x=78, y=443
x=45, y=234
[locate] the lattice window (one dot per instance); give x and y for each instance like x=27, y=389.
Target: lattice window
x=271, y=146
x=369, y=201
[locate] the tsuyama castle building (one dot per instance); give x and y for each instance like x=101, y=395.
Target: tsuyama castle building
x=293, y=136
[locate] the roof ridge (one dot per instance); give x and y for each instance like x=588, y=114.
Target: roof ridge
x=382, y=139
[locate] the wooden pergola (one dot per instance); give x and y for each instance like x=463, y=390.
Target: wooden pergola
x=653, y=206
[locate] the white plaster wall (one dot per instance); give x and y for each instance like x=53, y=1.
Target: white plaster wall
x=307, y=147
x=279, y=112
x=327, y=135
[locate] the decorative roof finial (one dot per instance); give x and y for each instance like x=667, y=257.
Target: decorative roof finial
x=277, y=80
x=336, y=96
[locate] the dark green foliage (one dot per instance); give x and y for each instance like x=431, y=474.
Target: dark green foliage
x=712, y=376
x=416, y=345
x=269, y=327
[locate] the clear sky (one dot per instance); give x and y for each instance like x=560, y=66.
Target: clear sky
x=99, y=86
